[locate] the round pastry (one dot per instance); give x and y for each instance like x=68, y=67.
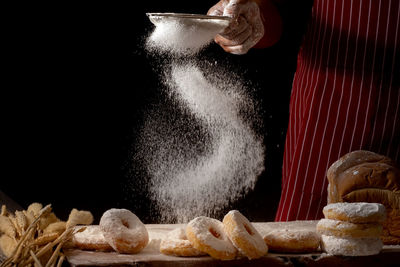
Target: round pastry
x=176, y=244
x=292, y=240
x=124, y=231
x=351, y=246
x=208, y=235
x=90, y=239
x=244, y=236
x=347, y=229
x=357, y=212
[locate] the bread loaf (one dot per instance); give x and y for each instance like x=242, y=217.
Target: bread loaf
x=364, y=176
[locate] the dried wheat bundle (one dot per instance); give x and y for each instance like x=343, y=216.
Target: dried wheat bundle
x=35, y=237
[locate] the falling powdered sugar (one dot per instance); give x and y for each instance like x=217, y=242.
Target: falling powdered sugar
x=214, y=158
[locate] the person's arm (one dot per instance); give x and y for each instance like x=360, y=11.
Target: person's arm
x=272, y=22
x=255, y=23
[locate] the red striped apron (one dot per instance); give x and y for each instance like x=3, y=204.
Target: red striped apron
x=345, y=97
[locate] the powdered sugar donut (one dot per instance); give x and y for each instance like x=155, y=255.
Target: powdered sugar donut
x=292, y=240
x=243, y=235
x=91, y=238
x=176, y=244
x=207, y=235
x=351, y=246
x=347, y=229
x=124, y=231
x=357, y=212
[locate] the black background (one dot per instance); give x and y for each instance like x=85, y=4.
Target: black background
x=77, y=83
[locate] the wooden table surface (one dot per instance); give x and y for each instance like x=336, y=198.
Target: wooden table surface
x=150, y=256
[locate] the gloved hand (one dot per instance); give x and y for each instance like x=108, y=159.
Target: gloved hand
x=245, y=29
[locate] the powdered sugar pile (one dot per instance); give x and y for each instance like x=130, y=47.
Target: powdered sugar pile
x=92, y=234
x=199, y=166
x=178, y=233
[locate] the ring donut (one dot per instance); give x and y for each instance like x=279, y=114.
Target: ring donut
x=357, y=212
x=208, y=235
x=176, y=244
x=243, y=235
x=351, y=246
x=347, y=229
x=292, y=240
x=91, y=238
x=124, y=231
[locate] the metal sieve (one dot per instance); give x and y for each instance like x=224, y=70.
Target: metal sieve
x=206, y=21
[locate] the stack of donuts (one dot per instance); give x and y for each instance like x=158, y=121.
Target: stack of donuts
x=352, y=229
x=234, y=236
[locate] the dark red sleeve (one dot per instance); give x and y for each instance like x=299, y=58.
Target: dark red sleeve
x=272, y=23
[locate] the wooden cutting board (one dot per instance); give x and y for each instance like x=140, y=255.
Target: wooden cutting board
x=151, y=256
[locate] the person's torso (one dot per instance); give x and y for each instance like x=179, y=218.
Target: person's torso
x=360, y=35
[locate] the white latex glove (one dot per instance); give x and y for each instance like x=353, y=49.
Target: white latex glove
x=245, y=29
